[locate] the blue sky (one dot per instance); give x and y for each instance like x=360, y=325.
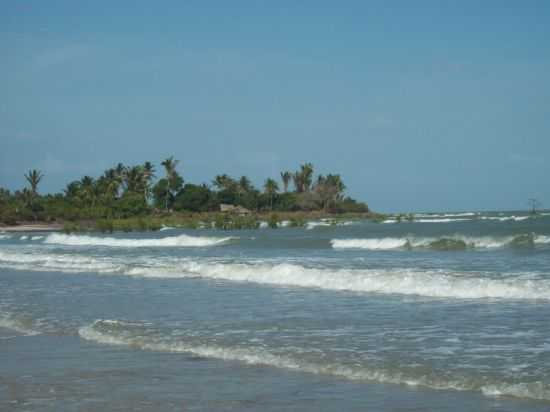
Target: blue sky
x=430, y=105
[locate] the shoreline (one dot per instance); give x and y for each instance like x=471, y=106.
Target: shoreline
x=39, y=227
x=216, y=220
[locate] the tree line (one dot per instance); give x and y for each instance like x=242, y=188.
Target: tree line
x=133, y=190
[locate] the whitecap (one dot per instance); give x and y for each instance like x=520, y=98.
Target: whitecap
x=172, y=241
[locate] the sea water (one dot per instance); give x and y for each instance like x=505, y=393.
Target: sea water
x=448, y=312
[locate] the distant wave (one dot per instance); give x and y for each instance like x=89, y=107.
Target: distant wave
x=505, y=218
x=327, y=223
x=454, y=242
x=435, y=220
x=314, y=224
x=172, y=241
x=458, y=217
x=162, y=229
x=441, y=220
x=121, y=333
x=436, y=215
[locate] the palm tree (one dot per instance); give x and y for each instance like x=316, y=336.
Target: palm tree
x=306, y=170
x=329, y=189
x=245, y=185
x=174, y=182
x=285, y=177
x=297, y=179
x=148, y=175
x=271, y=187
x=110, y=182
x=34, y=177
x=303, y=178
x=134, y=179
x=87, y=190
x=224, y=182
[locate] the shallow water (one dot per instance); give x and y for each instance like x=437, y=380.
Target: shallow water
x=449, y=312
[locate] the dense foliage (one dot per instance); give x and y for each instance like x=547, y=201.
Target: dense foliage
x=133, y=192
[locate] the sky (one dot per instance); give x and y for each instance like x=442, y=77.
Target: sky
x=419, y=106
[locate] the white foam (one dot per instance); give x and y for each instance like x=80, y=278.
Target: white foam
x=314, y=224
x=18, y=325
x=442, y=220
x=328, y=223
x=389, y=243
x=258, y=356
x=109, y=332
x=37, y=237
x=533, y=390
x=371, y=244
x=439, y=284
x=436, y=215
x=431, y=283
x=505, y=218
x=172, y=241
x=58, y=262
x=162, y=229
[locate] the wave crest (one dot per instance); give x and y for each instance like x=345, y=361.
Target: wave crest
x=455, y=242
x=171, y=241
x=439, y=284
x=134, y=335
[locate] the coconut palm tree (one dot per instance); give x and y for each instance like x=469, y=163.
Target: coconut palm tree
x=34, y=177
x=285, y=177
x=87, y=191
x=174, y=181
x=148, y=175
x=329, y=189
x=134, y=179
x=306, y=170
x=303, y=178
x=271, y=187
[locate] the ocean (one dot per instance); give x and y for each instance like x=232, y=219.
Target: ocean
x=449, y=312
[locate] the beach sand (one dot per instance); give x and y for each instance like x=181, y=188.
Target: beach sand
x=39, y=227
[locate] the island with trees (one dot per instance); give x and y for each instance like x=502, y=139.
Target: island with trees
x=133, y=197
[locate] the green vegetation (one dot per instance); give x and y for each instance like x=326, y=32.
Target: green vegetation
x=127, y=198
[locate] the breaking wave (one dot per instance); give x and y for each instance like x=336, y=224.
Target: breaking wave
x=171, y=241
x=19, y=324
x=135, y=335
x=455, y=242
x=59, y=262
x=430, y=283
x=327, y=223
x=456, y=217
x=436, y=215
x=505, y=218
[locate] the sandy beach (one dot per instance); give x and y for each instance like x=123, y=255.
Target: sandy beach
x=39, y=227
